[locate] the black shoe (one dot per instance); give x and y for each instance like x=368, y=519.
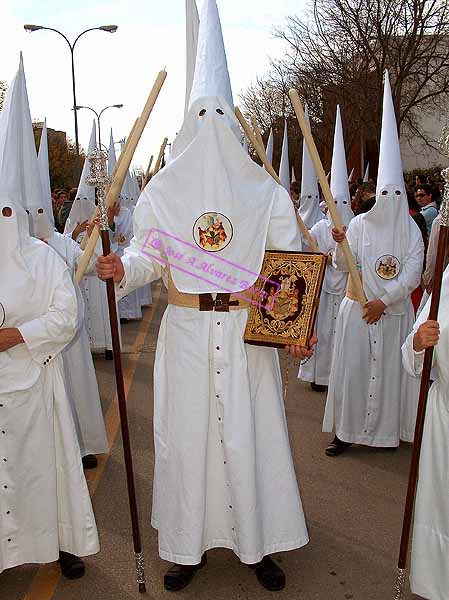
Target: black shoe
x=90, y=461
x=318, y=388
x=337, y=447
x=179, y=576
x=124, y=321
x=269, y=574
x=71, y=566
x=109, y=355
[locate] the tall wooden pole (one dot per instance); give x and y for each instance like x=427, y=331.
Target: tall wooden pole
x=260, y=149
x=99, y=179
x=122, y=169
x=333, y=211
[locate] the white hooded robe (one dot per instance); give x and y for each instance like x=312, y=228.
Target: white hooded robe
x=44, y=499
x=429, y=572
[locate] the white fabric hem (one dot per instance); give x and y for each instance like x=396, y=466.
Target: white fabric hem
x=249, y=559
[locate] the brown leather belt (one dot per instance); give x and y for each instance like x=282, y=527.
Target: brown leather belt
x=206, y=302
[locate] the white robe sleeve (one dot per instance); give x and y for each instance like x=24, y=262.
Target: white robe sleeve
x=46, y=336
x=140, y=267
x=283, y=230
x=410, y=275
x=413, y=361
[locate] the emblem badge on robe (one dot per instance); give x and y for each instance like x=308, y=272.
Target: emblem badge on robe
x=212, y=231
x=388, y=267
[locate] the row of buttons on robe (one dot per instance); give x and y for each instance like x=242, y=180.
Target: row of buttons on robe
x=373, y=378
x=47, y=360
x=5, y=485
x=220, y=419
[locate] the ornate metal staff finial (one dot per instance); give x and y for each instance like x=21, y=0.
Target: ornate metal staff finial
x=99, y=179
x=444, y=210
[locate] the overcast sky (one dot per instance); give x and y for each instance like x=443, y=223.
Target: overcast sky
x=120, y=68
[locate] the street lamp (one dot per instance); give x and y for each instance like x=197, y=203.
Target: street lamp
x=107, y=28
x=98, y=115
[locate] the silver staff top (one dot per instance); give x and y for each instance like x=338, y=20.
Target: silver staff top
x=100, y=179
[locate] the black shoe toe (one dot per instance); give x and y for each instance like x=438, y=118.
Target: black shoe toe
x=72, y=567
x=179, y=576
x=90, y=461
x=270, y=575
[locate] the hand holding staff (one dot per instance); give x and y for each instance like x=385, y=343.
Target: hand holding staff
x=308, y=139
x=260, y=149
x=122, y=168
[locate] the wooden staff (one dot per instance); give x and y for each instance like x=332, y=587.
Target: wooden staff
x=259, y=148
x=99, y=179
x=443, y=239
x=257, y=132
x=158, y=164
x=111, y=200
x=333, y=211
x=146, y=177
x=122, y=169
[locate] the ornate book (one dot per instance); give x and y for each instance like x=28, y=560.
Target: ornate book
x=285, y=299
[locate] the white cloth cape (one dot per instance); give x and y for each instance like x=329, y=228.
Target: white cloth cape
x=429, y=573
x=46, y=500
x=224, y=475
x=210, y=172
x=370, y=395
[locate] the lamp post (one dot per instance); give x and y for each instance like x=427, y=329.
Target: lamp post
x=107, y=28
x=98, y=115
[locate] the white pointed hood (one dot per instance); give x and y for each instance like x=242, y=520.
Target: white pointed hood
x=44, y=170
x=112, y=158
x=211, y=76
x=284, y=169
x=270, y=147
x=83, y=206
x=366, y=176
x=339, y=174
x=19, y=169
x=351, y=175
x=309, y=204
x=192, y=30
x=387, y=227
x=211, y=203
x=293, y=175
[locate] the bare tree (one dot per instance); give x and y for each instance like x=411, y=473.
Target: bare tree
x=337, y=54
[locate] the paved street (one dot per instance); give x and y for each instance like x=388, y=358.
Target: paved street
x=353, y=506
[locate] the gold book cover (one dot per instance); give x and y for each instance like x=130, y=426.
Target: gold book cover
x=285, y=299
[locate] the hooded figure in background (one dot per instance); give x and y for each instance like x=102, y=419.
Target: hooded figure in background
x=429, y=575
x=317, y=370
x=96, y=314
x=369, y=393
x=309, y=202
x=79, y=371
x=224, y=475
x=129, y=306
x=46, y=509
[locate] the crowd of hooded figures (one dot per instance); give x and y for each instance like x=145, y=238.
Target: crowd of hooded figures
x=224, y=475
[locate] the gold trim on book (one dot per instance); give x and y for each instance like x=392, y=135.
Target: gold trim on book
x=290, y=285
